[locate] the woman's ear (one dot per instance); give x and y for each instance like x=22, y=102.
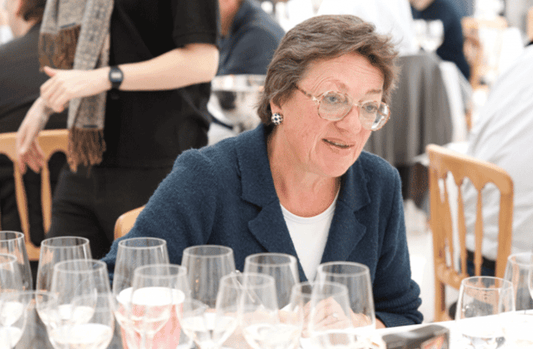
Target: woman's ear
x=274, y=108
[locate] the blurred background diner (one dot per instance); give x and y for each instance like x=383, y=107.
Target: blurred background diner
x=463, y=84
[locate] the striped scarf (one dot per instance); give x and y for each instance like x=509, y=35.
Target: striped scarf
x=75, y=35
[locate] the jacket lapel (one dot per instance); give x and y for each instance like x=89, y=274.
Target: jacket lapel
x=346, y=231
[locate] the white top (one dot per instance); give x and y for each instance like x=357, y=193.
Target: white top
x=503, y=135
x=309, y=236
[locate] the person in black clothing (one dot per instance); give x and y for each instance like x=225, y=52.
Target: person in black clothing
x=20, y=81
x=167, y=53
x=452, y=46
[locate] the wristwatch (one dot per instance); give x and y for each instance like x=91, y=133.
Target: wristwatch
x=115, y=76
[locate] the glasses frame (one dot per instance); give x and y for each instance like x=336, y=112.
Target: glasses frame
x=318, y=99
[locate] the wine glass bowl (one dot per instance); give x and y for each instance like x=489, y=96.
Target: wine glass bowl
x=58, y=249
x=282, y=267
x=518, y=324
x=10, y=278
x=12, y=242
x=482, y=301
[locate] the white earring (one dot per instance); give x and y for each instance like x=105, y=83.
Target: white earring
x=276, y=118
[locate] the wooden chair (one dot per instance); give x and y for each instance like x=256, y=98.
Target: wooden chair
x=126, y=221
x=441, y=162
x=474, y=46
x=51, y=141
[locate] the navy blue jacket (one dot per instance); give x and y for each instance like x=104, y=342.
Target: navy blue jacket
x=224, y=195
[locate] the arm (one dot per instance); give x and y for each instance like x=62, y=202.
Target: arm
x=396, y=295
x=192, y=64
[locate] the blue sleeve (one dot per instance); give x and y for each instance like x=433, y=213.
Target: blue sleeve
x=180, y=211
x=396, y=295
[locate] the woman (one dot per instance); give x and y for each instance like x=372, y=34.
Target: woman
x=300, y=183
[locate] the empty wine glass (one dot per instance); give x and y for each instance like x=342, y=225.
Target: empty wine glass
x=481, y=300
x=263, y=325
x=206, y=265
x=55, y=250
x=518, y=324
x=35, y=333
x=209, y=327
x=76, y=279
x=282, y=267
x=94, y=332
x=12, y=242
x=356, y=277
x=12, y=318
x=328, y=316
x=10, y=280
x=158, y=292
x=131, y=254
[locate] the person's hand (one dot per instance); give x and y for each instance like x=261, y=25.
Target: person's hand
x=328, y=314
x=65, y=85
x=28, y=150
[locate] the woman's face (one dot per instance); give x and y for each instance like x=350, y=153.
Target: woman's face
x=319, y=146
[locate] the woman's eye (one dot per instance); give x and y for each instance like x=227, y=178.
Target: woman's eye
x=370, y=108
x=333, y=98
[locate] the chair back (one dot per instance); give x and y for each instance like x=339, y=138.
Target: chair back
x=126, y=221
x=51, y=141
x=443, y=161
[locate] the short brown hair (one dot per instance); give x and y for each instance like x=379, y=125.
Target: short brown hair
x=321, y=38
x=32, y=10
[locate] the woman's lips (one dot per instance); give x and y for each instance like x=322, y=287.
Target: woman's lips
x=337, y=144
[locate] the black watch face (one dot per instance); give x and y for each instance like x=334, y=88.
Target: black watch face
x=115, y=75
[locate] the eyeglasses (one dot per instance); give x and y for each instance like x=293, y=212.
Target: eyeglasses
x=335, y=106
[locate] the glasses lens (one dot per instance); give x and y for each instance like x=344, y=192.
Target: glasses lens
x=334, y=106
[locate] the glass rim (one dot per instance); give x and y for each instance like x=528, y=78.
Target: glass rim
x=189, y=251
x=49, y=243
x=365, y=269
x=514, y=261
x=504, y=283
x=59, y=266
x=290, y=258
x=124, y=243
x=18, y=235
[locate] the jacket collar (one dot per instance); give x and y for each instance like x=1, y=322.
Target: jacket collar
x=269, y=226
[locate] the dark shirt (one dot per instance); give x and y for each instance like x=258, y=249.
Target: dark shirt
x=150, y=128
x=251, y=42
x=452, y=46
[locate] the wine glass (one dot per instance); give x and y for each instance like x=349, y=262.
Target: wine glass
x=282, y=267
x=55, y=250
x=263, y=325
x=518, y=324
x=12, y=242
x=10, y=279
x=158, y=292
x=12, y=318
x=72, y=279
x=94, y=332
x=206, y=265
x=131, y=254
x=327, y=311
x=356, y=277
x=481, y=300
x=210, y=327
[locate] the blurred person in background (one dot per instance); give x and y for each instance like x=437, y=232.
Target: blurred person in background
x=135, y=76
x=502, y=135
x=249, y=37
x=300, y=183
x=452, y=45
x=20, y=80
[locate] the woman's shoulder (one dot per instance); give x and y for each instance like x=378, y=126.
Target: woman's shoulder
x=374, y=165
